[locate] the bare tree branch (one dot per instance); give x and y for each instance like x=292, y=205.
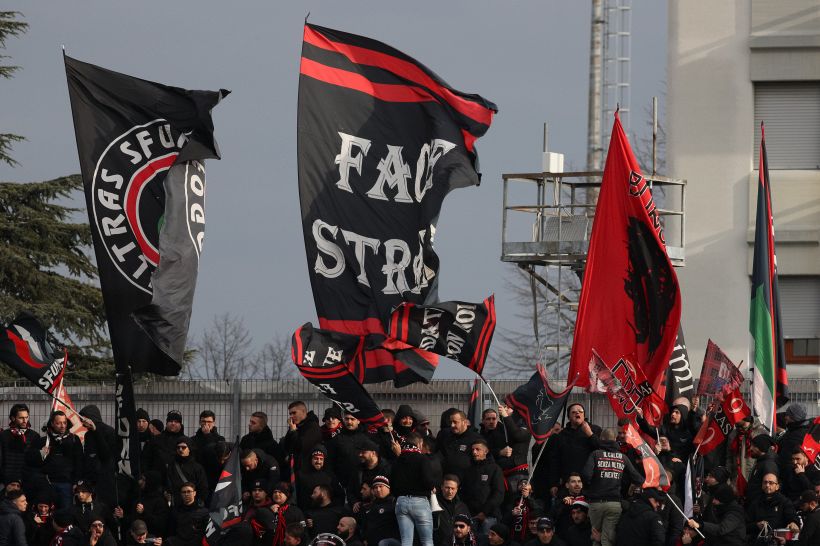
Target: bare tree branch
x=224, y=351
x=274, y=360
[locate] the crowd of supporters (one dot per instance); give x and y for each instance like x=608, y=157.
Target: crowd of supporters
x=469, y=484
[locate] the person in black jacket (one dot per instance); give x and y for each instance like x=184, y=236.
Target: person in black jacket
x=765, y=463
x=370, y=465
x=523, y=509
x=151, y=506
x=454, y=446
x=579, y=531
x=255, y=465
x=99, y=449
x=346, y=529
x=412, y=483
x=303, y=433
x=323, y=514
x=12, y=527
x=13, y=444
x=259, y=436
x=509, y=442
x=771, y=510
x=604, y=473
x=317, y=474
x=677, y=428
x=451, y=505
x=343, y=453
x=571, y=447
x=184, y=468
x=799, y=476
x=204, y=441
x=641, y=525
x=57, y=458
x=161, y=448
x=87, y=508
x=728, y=525
x=810, y=532
x=379, y=518
x=484, y=488
x=545, y=534
x=797, y=426
x=188, y=518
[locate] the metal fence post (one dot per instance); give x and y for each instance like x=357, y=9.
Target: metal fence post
x=236, y=408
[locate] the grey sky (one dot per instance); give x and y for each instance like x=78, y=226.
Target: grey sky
x=529, y=57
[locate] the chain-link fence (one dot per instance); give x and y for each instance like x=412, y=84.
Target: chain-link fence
x=234, y=401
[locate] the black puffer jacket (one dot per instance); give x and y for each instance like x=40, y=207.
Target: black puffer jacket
x=767, y=464
x=186, y=469
x=516, y=437
x=776, y=509
x=455, y=451
x=263, y=440
x=640, y=525
x=483, y=487
x=12, y=528
x=188, y=524
x=443, y=519
x=203, y=445
x=13, y=453
x=161, y=450
x=343, y=454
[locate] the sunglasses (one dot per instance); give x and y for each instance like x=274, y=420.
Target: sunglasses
x=182, y=448
x=97, y=524
x=460, y=526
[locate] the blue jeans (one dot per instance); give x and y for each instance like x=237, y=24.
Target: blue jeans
x=63, y=494
x=414, y=513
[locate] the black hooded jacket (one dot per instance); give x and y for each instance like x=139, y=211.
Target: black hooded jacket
x=640, y=525
x=99, y=462
x=12, y=528
x=569, y=452
x=792, y=438
x=728, y=528
x=680, y=435
x=299, y=443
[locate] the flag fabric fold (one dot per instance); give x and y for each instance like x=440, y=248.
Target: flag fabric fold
x=141, y=147
x=654, y=472
x=767, y=357
x=24, y=347
x=811, y=442
x=474, y=408
x=324, y=358
x=719, y=376
x=630, y=298
x=458, y=330
x=538, y=405
x=626, y=384
x=680, y=383
x=724, y=414
x=381, y=141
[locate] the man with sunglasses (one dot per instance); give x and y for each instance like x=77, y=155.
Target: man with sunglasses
x=572, y=446
x=99, y=535
x=545, y=529
x=463, y=534
x=185, y=468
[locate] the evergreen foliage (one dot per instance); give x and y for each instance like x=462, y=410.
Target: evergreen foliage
x=9, y=26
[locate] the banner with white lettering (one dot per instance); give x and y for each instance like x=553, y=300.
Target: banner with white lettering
x=381, y=141
x=325, y=359
x=125, y=416
x=628, y=389
x=458, y=330
x=141, y=146
x=24, y=348
x=679, y=385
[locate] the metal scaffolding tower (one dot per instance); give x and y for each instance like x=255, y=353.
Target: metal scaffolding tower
x=617, y=64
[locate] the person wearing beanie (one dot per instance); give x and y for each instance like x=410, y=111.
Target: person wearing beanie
x=142, y=421
x=65, y=532
x=161, y=450
x=463, y=534
x=728, y=526
x=256, y=464
x=795, y=421
x=155, y=427
x=641, y=523
x=283, y=507
x=331, y=422
x=765, y=457
x=13, y=443
x=317, y=473
x=545, y=534
x=259, y=516
x=379, y=518
x=677, y=427
x=499, y=535
x=185, y=468
x=715, y=477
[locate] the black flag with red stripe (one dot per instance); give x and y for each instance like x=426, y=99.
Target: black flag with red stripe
x=811, y=441
x=225, y=509
x=381, y=141
x=458, y=330
x=24, y=348
x=538, y=404
x=325, y=359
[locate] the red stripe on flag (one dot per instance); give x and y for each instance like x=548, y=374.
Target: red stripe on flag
x=357, y=82
x=22, y=350
x=405, y=69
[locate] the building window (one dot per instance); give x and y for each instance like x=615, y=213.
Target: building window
x=802, y=351
x=791, y=113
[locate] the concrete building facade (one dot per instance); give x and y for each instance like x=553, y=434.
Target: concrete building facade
x=732, y=64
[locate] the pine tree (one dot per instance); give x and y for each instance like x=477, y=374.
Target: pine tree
x=9, y=26
x=44, y=264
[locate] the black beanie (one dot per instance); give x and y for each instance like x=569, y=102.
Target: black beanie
x=142, y=414
x=720, y=474
x=763, y=442
x=501, y=530
x=724, y=493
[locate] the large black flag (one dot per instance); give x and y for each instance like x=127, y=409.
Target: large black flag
x=381, y=141
x=538, y=404
x=24, y=347
x=141, y=146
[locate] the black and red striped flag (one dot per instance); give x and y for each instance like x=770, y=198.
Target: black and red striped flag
x=24, y=347
x=811, y=441
x=474, y=408
x=381, y=141
x=538, y=405
x=225, y=509
x=458, y=330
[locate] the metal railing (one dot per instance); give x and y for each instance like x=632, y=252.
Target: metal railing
x=234, y=401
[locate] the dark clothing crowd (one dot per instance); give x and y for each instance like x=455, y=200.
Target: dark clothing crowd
x=470, y=484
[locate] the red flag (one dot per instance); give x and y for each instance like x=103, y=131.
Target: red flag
x=630, y=298
x=626, y=383
x=653, y=470
x=811, y=441
x=719, y=375
x=735, y=407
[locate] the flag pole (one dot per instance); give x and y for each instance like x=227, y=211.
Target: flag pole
x=504, y=427
x=682, y=514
